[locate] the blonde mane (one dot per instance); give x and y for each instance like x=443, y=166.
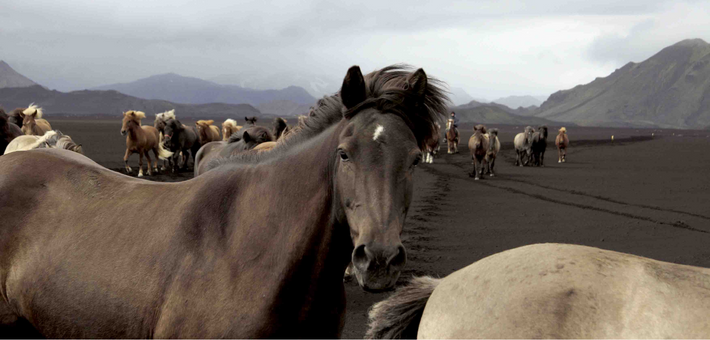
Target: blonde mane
x=33, y=110
x=230, y=122
x=43, y=139
x=563, y=130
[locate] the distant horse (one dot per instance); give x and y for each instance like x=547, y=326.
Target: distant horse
x=250, y=121
x=32, y=123
x=538, y=146
x=493, y=149
x=180, y=138
x=523, y=146
x=229, y=127
x=279, y=127
x=432, y=146
x=551, y=291
x=206, y=131
x=478, y=146
x=141, y=140
x=255, y=248
x=52, y=139
x=159, y=124
x=244, y=140
x=562, y=142
x=8, y=130
x=452, y=136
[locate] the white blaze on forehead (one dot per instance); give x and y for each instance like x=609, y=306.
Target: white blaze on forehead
x=378, y=131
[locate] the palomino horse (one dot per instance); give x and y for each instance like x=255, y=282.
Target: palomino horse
x=452, y=136
x=141, y=140
x=250, y=121
x=97, y=263
x=8, y=130
x=245, y=139
x=206, y=131
x=551, y=291
x=52, y=139
x=478, y=146
x=523, y=146
x=229, y=127
x=179, y=139
x=562, y=142
x=32, y=122
x=493, y=149
x=538, y=146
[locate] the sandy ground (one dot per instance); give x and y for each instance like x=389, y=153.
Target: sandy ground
x=643, y=195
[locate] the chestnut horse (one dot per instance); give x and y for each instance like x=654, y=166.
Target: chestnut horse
x=551, y=291
x=229, y=127
x=97, y=263
x=478, y=146
x=206, y=131
x=141, y=140
x=452, y=136
x=32, y=122
x=562, y=142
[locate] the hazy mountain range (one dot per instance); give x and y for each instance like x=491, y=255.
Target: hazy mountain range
x=494, y=113
x=520, y=101
x=10, y=78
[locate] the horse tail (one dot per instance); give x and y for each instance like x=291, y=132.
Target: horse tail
x=162, y=153
x=398, y=316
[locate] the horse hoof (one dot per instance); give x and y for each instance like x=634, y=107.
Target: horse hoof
x=475, y=179
x=140, y=174
x=559, y=161
x=492, y=175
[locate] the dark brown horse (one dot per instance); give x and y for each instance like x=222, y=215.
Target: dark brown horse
x=250, y=121
x=254, y=248
x=8, y=131
x=180, y=139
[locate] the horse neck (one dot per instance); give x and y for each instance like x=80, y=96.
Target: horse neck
x=135, y=131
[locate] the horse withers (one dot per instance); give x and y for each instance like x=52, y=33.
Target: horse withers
x=478, y=146
x=562, y=142
x=141, y=140
x=551, y=291
x=88, y=258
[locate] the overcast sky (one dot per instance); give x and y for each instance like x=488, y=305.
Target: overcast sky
x=489, y=48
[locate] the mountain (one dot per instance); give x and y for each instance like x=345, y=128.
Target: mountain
x=90, y=102
x=670, y=89
x=476, y=112
x=188, y=90
x=283, y=108
x=518, y=101
x=10, y=78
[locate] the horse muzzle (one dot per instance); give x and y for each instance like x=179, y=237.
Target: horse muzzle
x=377, y=267
x=123, y=132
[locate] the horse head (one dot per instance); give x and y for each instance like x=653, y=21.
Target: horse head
x=131, y=119
x=254, y=136
x=171, y=130
x=29, y=115
x=251, y=120
x=377, y=151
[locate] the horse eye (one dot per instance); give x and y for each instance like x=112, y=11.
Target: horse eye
x=417, y=161
x=343, y=156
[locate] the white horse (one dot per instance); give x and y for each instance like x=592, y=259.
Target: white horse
x=552, y=291
x=523, y=146
x=51, y=139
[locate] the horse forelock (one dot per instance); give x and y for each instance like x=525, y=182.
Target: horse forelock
x=33, y=110
x=230, y=123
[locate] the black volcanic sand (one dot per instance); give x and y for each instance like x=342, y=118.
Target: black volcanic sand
x=639, y=194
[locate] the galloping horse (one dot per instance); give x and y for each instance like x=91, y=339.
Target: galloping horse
x=551, y=291
x=159, y=124
x=523, y=146
x=246, y=139
x=478, y=146
x=180, y=139
x=452, y=136
x=8, y=130
x=87, y=258
x=432, y=146
x=52, y=139
x=229, y=127
x=32, y=122
x=493, y=149
x=206, y=131
x=539, y=145
x=562, y=142
x=141, y=140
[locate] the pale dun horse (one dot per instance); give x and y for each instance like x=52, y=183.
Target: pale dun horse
x=32, y=122
x=452, y=136
x=562, y=142
x=206, y=131
x=493, y=149
x=229, y=127
x=478, y=146
x=141, y=140
x=551, y=291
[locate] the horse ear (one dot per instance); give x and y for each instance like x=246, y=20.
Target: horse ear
x=245, y=137
x=353, y=91
x=418, y=82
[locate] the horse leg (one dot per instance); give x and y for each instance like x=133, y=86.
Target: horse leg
x=542, y=158
x=157, y=160
x=559, y=155
x=564, y=155
x=125, y=161
x=140, y=163
x=475, y=168
x=150, y=163
x=491, y=164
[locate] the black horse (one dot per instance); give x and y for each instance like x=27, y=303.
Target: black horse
x=539, y=144
x=179, y=137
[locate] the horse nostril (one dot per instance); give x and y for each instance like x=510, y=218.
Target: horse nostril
x=400, y=258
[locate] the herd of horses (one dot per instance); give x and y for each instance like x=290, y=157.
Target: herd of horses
x=256, y=245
